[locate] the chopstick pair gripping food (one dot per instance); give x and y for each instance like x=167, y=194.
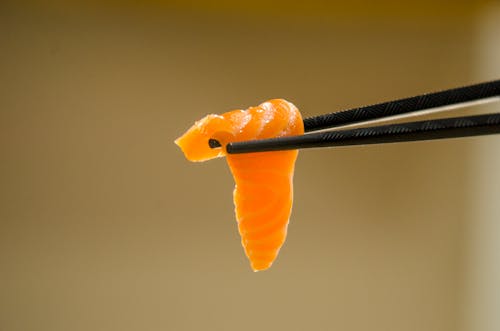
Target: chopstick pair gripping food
x=402, y=108
x=260, y=145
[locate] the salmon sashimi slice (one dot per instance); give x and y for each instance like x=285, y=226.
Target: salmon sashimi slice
x=263, y=193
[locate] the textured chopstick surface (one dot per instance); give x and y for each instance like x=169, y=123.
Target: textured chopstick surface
x=403, y=106
x=412, y=131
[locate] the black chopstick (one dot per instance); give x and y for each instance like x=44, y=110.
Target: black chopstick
x=412, y=131
x=404, y=106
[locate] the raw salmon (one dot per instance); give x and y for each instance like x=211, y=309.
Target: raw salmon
x=263, y=193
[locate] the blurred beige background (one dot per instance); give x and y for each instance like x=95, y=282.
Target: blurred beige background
x=105, y=226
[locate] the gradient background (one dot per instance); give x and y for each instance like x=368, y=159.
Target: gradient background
x=105, y=226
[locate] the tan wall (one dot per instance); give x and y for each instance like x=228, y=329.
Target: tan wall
x=105, y=226
x=482, y=286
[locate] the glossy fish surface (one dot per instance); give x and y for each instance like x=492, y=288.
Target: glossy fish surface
x=263, y=193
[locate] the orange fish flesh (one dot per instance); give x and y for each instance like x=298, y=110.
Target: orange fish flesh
x=263, y=193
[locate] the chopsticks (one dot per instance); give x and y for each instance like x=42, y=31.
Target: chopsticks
x=456, y=127
x=413, y=131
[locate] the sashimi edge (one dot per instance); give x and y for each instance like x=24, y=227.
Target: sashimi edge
x=285, y=225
